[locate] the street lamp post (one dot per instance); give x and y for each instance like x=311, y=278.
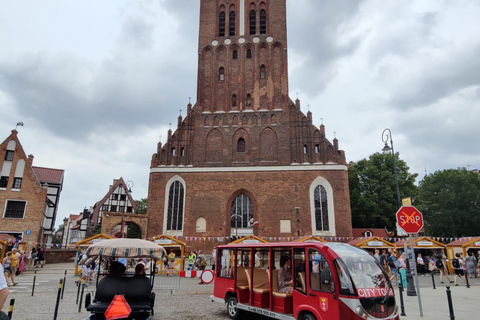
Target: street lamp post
x=386, y=136
x=129, y=186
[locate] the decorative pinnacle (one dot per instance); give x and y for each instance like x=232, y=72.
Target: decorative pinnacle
x=335, y=134
x=180, y=112
x=321, y=121
x=297, y=95
x=170, y=124
x=189, y=98
x=308, y=106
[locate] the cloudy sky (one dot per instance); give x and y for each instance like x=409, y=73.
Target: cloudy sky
x=98, y=82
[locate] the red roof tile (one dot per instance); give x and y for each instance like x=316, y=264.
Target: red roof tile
x=49, y=175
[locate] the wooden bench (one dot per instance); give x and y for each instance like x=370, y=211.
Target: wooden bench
x=282, y=302
x=136, y=290
x=261, y=287
x=242, y=284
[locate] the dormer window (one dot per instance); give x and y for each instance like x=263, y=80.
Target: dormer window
x=241, y=145
x=231, y=23
x=263, y=21
x=253, y=22
x=263, y=74
x=368, y=234
x=221, y=24
x=9, y=155
x=221, y=74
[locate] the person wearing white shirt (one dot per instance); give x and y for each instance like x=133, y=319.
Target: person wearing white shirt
x=3, y=288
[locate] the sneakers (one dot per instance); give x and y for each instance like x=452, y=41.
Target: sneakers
x=456, y=285
x=451, y=281
x=15, y=283
x=442, y=282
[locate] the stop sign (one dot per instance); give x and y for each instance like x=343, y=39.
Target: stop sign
x=409, y=219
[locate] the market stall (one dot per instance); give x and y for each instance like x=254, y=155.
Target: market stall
x=428, y=247
x=464, y=246
x=373, y=243
x=83, y=245
x=171, y=244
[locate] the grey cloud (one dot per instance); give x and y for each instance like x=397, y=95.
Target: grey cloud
x=320, y=39
x=137, y=33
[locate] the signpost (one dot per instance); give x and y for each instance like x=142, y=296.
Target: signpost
x=411, y=221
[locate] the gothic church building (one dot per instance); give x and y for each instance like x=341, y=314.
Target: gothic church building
x=245, y=160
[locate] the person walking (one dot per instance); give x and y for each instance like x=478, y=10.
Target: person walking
x=3, y=287
x=383, y=259
x=39, y=259
x=422, y=268
x=442, y=269
x=15, y=261
x=458, y=264
x=201, y=263
x=32, y=255
x=470, y=262
x=7, y=269
x=391, y=262
x=171, y=262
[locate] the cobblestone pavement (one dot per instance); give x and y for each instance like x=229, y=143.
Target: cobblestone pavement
x=191, y=301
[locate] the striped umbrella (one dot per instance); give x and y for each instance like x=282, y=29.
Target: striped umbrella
x=126, y=248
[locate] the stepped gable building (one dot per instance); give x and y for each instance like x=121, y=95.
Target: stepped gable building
x=245, y=159
x=29, y=195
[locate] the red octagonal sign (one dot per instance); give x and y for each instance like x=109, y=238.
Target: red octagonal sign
x=409, y=219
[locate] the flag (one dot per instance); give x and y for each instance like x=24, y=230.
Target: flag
x=20, y=124
x=255, y=224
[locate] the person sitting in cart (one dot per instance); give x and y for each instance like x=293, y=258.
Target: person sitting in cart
x=285, y=282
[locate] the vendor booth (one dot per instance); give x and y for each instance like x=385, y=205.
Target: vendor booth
x=249, y=239
x=83, y=245
x=171, y=244
x=373, y=243
x=310, y=239
x=464, y=246
x=7, y=243
x=428, y=247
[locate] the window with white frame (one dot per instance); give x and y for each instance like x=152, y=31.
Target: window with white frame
x=15, y=209
x=242, y=212
x=175, y=206
x=322, y=207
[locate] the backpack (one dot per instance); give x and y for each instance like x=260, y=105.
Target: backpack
x=439, y=264
x=391, y=262
x=456, y=263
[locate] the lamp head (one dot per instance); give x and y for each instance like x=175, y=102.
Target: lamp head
x=386, y=148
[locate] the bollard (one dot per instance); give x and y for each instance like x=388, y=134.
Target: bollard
x=81, y=296
x=402, y=306
x=60, y=285
x=78, y=291
x=64, y=282
x=450, y=303
x=433, y=280
x=34, y=279
x=10, y=308
x=466, y=278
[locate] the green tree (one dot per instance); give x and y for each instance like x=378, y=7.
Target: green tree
x=373, y=194
x=451, y=203
x=55, y=239
x=142, y=206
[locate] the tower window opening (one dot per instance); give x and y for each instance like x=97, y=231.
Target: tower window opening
x=234, y=100
x=241, y=145
x=234, y=55
x=182, y=152
x=317, y=148
x=173, y=152
x=221, y=24
x=253, y=22
x=249, y=53
x=263, y=21
x=231, y=23
x=305, y=149
x=262, y=72
x=249, y=100
x=221, y=74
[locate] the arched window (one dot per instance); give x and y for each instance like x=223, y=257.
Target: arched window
x=234, y=100
x=249, y=100
x=241, y=145
x=231, y=23
x=242, y=212
x=253, y=22
x=263, y=21
x=262, y=72
x=173, y=152
x=249, y=53
x=317, y=148
x=234, y=55
x=175, y=206
x=221, y=74
x=221, y=24
x=201, y=225
x=321, y=209
x=305, y=149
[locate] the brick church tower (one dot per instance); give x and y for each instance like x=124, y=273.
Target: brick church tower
x=245, y=159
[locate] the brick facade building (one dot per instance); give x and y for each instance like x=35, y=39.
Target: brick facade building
x=29, y=195
x=245, y=159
